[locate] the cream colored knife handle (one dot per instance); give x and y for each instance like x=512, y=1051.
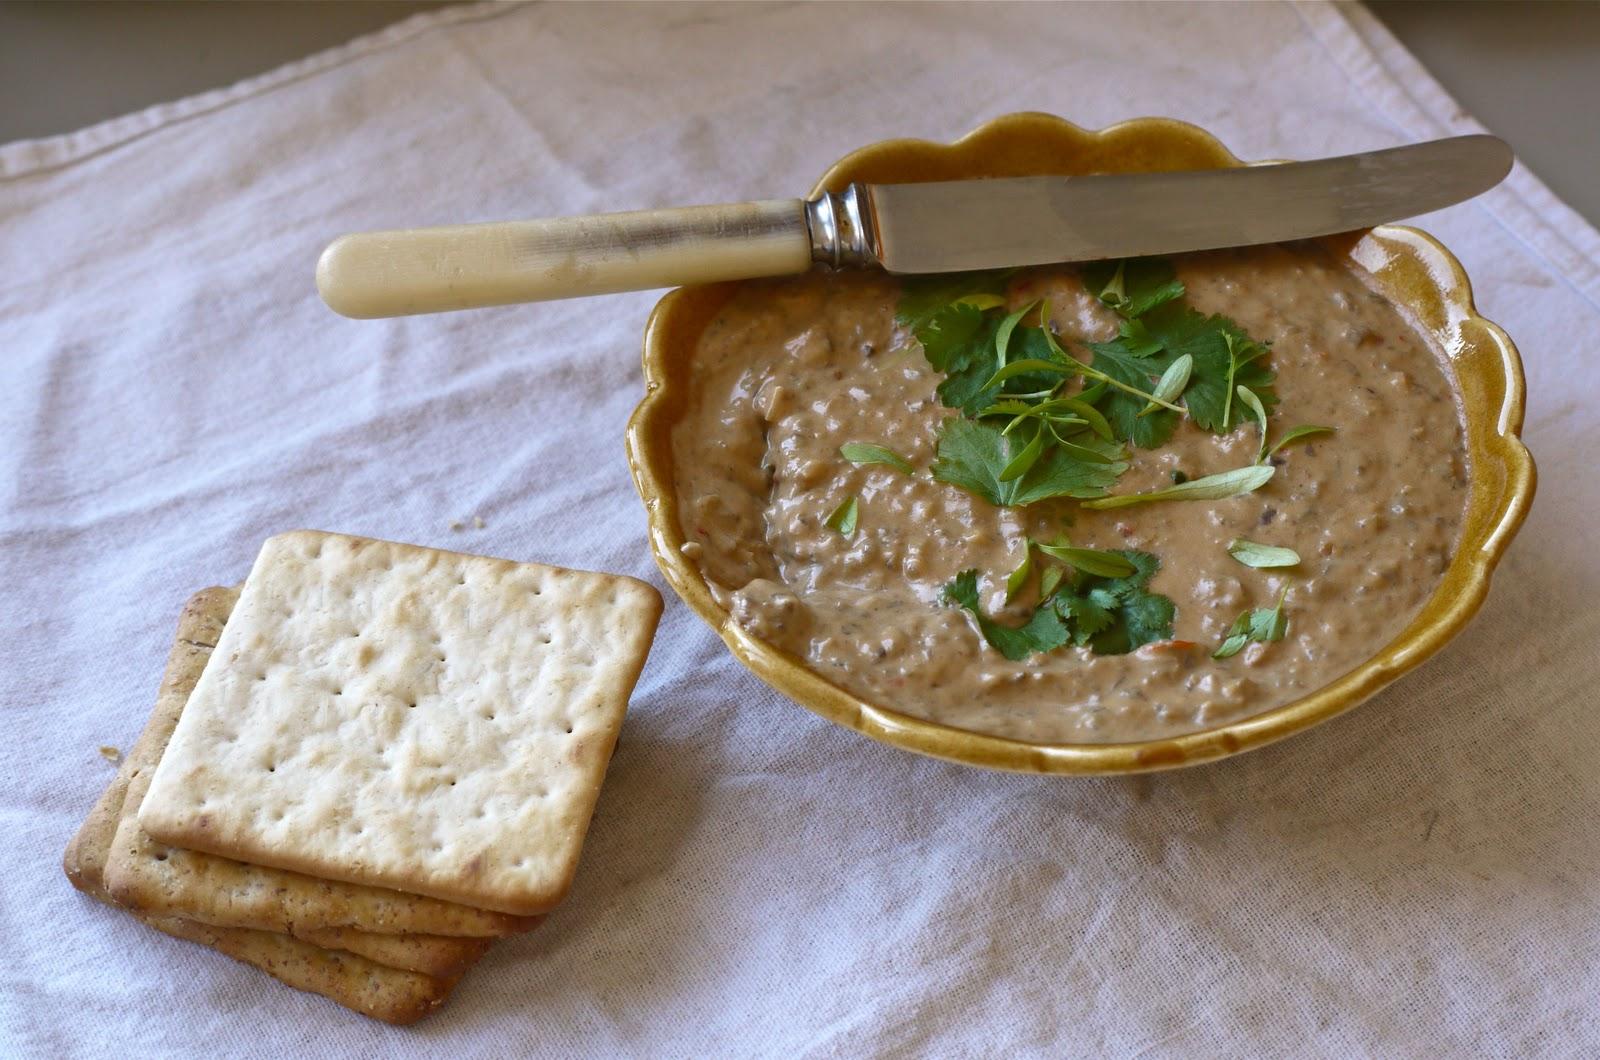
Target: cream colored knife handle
x=428, y=270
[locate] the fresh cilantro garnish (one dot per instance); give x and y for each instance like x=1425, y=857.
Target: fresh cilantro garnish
x=1261, y=624
x=1156, y=333
x=867, y=453
x=1125, y=412
x=1133, y=286
x=1111, y=616
x=844, y=518
x=966, y=343
x=975, y=456
x=1224, y=358
x=1043, y=631
x=921, y=297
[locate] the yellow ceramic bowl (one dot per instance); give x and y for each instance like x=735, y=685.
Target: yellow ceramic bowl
x=1408, y=266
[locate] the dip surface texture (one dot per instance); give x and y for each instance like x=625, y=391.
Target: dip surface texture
x=789, y=371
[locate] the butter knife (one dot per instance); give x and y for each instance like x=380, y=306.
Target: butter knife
x=943, y=226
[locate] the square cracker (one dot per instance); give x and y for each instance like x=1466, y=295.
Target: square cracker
x=152, y=878
x=364, y=986
x=401, y=717
x=160, y=880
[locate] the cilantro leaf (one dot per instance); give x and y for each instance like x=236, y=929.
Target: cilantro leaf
x=1059, y=473
x=1086, y=616
x=1116, y=615
x=1146, y=618
x=1121, y=409
x=948, y=336
x=1133, y=286
x=1261, y=624
x=963, y=341
x=973, y=456
x=1112, y=616
x=921, y=297
x=958, y=340
x=1224, y=358
x=1157, y=331
x=1043, y=631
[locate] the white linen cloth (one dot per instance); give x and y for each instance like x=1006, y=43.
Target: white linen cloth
x=1417, y=878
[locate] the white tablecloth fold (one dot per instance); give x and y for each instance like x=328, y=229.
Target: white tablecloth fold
x=1417, y=878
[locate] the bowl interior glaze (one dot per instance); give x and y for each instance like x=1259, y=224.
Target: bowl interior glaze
x=1409, y=267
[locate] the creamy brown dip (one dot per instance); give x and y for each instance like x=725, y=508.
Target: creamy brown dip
x=788, y=371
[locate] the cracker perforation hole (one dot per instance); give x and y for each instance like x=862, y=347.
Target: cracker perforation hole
x=161, y=857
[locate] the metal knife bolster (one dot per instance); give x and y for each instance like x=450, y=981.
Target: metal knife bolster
x=841, y=229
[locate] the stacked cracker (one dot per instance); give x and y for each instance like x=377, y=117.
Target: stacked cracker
x=369, y=763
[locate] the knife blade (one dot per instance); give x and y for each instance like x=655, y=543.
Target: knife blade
x=954, y=226
x=946, y=226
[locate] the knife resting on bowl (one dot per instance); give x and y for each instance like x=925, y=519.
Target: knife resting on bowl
x=945, y=226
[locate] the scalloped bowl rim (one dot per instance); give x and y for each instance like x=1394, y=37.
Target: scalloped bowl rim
x=1501, y=489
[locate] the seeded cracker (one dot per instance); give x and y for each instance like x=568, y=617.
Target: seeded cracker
x=407, y=718
x=369, y=988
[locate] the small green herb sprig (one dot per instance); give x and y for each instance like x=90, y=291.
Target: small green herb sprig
x=1262, y=625
x=1111, y=615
